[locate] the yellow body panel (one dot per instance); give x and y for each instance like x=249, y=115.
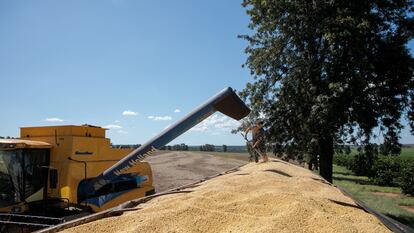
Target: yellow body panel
x=71, y=144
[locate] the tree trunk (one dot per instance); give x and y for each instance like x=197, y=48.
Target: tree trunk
x=326, y=152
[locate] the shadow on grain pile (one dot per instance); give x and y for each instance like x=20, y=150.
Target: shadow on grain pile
x=264, y=197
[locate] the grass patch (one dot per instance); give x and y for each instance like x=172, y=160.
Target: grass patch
x=406, y=152
x=361, y=188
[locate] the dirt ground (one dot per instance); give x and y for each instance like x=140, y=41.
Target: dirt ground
x=408, y=208
x=174, y=169
x=386, y=194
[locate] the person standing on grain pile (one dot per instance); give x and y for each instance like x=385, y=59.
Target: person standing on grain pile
x=259, y=143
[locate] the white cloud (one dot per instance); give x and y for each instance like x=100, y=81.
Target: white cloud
x=117, y=121
x=122, y=132
x=216, y=124
x=113, y=127
x=54, y=119
x=160, y=118
x=177, y=110
x=129, y=113
x=199, y=128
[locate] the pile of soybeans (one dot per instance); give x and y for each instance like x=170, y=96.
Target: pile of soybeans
x=265, y=197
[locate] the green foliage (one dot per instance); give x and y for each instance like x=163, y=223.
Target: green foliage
x=329, y=72
x=364, y=160
x=344, y=160
x=388, y=148
x=361, y=164
x=343, y=156
x=385, y=171
x=382, y=170
x=343, y=149
x=224, y=148
x=406, y=179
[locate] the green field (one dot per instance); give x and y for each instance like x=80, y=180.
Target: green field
x=405, y=152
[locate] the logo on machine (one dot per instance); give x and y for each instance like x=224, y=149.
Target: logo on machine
x=83, y=153
x=132, y=162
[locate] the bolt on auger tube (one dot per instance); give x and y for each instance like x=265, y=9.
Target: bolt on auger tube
x=226, y=102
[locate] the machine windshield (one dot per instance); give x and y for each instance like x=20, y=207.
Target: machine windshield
x=20, y=174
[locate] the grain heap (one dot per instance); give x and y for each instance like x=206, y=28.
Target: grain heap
x=267, y=197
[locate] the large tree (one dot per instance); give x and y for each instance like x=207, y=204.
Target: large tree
x=328, y=72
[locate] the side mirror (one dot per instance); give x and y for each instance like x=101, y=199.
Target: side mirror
x=53, y=178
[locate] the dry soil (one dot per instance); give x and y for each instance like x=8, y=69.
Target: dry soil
x=174, y=169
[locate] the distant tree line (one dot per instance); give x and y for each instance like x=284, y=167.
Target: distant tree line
x=176, y=147
x=180, y=147
x=7, y=137
x=207, y=147
x=385, y=148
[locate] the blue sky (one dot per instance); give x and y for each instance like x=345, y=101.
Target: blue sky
x=132, y=66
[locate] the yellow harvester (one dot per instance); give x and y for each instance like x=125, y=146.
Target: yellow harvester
x=48, y=163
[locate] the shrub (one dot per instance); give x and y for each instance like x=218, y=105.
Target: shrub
x=406, y=179
x=362, y=164
x=343, y=160
x=385, y=171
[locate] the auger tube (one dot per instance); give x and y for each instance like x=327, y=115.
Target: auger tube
x=226, y=102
